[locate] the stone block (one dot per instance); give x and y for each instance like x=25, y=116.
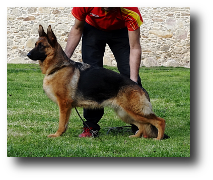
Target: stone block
x=165, y=48
x=29, y=18
x=160, y=33
x=107, y=61
x=31, y=42
x=170, y=23
x=150, y=62
x=181, y=34
x=171, y=63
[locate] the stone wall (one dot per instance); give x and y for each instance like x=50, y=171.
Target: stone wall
x=165, y=34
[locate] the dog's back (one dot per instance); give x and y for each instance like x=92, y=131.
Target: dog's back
x=100, y=84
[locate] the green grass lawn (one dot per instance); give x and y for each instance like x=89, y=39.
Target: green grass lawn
x=31, y=116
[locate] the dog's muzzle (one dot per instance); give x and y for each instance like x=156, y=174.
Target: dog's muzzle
x=36, y=56
x=29, y=55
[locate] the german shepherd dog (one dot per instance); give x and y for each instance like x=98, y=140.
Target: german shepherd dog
x=72, y=84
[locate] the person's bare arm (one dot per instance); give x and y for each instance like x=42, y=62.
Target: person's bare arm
x=135, y=54
x=74, y=37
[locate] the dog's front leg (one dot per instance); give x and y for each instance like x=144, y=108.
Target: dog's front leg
x=64, y=110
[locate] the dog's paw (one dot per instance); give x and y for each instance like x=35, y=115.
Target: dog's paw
x=53, y=135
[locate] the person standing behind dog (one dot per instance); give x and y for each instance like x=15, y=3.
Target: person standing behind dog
x=119, y=28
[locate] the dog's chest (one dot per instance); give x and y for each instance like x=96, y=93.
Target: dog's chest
x=47, y=86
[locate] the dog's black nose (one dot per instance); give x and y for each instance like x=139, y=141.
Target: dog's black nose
x=29, y=54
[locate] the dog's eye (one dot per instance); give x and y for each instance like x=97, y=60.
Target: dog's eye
x=40, y=45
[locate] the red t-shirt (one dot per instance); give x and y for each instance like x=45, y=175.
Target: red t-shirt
x=117, y=18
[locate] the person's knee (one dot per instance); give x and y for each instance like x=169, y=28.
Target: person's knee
x=93, y=114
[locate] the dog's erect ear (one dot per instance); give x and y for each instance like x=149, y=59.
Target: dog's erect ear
x=51, y=37
x=41, y=31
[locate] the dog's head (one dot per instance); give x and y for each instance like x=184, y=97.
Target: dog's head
x=44, y=46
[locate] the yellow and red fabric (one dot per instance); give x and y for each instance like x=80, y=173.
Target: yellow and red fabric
x=117, y=18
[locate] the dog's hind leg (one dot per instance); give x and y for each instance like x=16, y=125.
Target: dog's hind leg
x=159, y=123
x=137, y=106
x=140, y=131
x=124, y=116
x=161, y=127
x=64, y=111
x=152, y=119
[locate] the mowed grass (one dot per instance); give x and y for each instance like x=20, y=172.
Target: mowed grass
x=31, y=116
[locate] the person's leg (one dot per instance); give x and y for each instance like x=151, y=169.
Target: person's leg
x=93, y=47
x=119, y=44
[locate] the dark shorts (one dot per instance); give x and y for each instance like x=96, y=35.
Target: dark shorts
x=93, y=47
